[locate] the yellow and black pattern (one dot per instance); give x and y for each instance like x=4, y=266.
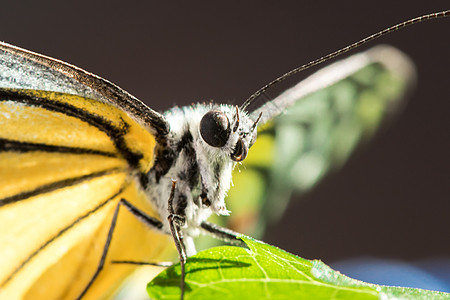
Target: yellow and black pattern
x=65, y=162
x=74, y=124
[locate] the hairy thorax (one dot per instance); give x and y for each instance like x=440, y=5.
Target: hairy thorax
x=202, y=172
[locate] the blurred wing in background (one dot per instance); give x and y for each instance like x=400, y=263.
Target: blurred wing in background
x=312, y=129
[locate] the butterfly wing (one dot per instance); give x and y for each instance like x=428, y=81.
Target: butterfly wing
x=71, y=146
x=313, y=128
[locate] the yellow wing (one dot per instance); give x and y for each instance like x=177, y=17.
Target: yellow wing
x=69, y=151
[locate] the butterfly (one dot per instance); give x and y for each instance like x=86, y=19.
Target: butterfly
x=90, y=175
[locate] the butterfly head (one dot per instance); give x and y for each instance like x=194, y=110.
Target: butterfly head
x=218, y=131
x=205, y=144
x=224, y=136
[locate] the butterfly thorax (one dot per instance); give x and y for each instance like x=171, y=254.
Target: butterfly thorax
x=203, y=146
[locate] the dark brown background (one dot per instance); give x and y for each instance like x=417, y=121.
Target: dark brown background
x=391, y=200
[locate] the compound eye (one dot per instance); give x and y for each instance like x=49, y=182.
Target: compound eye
x=240, y=151
x=215, y=128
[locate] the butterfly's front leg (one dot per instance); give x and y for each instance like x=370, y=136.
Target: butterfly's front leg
x=223, y=234
x=176, y=221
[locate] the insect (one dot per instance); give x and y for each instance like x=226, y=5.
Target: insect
x=97, y=159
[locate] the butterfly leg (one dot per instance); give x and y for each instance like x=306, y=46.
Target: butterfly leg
x=164, y=264
x=223, y=233
x=143, y=217
x=176, y=221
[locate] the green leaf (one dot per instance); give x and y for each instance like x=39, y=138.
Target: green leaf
x=267, y=272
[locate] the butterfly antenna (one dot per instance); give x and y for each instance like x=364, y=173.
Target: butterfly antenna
x=431, y=16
